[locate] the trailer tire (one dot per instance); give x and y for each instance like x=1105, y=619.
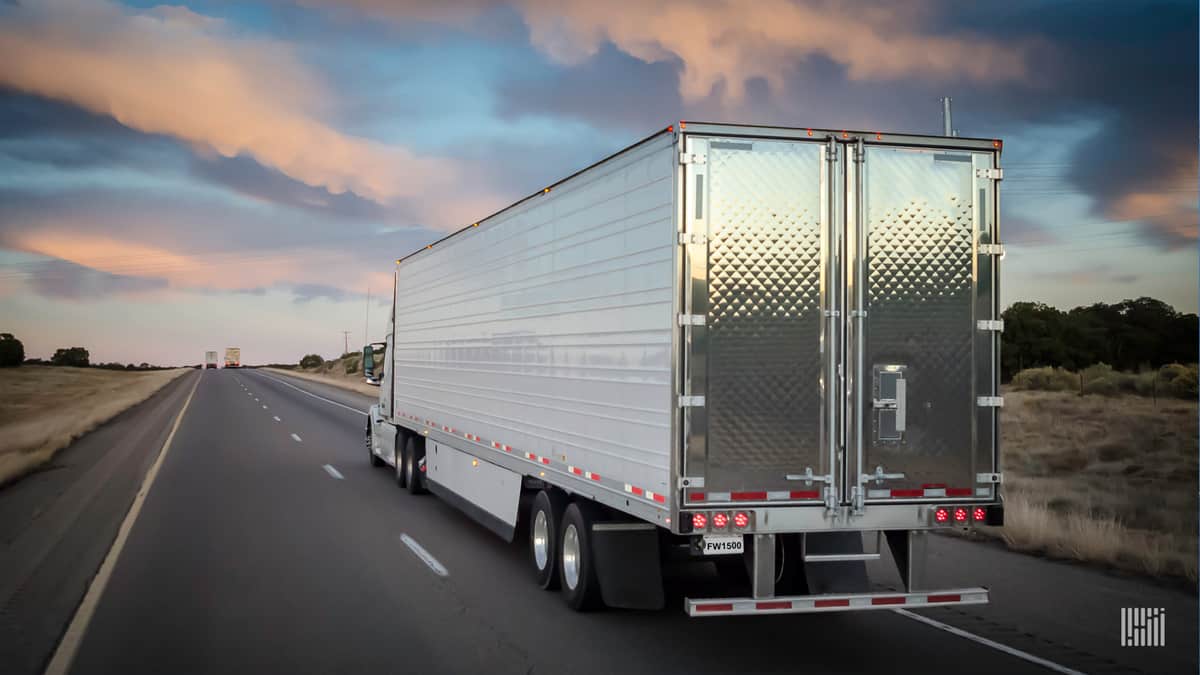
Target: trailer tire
x=398, y=457
x=414, y=452
x=548, y=505
x=375, y=460
x=577, y=564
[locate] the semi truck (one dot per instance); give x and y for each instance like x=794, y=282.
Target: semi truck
x=773, y=349
x=210, y=360
x=233, y=357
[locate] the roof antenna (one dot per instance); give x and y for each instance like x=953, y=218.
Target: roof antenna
x=947, y=121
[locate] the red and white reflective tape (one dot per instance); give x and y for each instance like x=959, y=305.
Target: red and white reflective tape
x=591, y=476
x=575, y=470
x=471, y=437
x=754, y=496
x=927, y=492
x=835, y=603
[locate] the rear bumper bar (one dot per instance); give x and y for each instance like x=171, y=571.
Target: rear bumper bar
x=801, y=604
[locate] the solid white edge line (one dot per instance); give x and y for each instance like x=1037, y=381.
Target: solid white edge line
x=296, y=438
x=333, y=472
x=309, y=393
x=68, y=647
x=1011, y=651
x=425, y=556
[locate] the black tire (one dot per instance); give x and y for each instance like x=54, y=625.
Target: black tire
x=584, y=595
x=401, y=448
x=550, y=504
x=414, y=452
x=375, y=460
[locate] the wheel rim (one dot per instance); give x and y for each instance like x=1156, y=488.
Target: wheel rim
x=541, y=540
x=570, y=557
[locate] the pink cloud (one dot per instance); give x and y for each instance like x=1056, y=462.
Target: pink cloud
x=171, y=71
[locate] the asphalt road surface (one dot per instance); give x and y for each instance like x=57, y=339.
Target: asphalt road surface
x=267, y=543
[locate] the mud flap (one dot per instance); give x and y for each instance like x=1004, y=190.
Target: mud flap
x=627, y=564
x=835, y=577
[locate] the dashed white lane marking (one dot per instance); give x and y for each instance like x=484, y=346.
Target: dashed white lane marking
x=264, y=407
x=296, y=438
x=425, y=556
x=309, y=393
x=1011, y=651
x=277, y=418
x=333, y=472
x=73, y=638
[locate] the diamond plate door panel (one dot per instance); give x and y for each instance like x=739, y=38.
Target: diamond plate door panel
x=764, y=320
x=919, y=284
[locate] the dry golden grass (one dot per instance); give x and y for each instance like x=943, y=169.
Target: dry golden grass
x=44, y=408
x=335, y=376
x=1102, y=479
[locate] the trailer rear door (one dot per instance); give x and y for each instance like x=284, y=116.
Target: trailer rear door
x=922, y=337
x=759, y=284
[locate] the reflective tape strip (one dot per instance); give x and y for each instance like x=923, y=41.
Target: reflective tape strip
x=695, y=496
x=718, y=496
x=661, y=499
x=805, y=494
x=575, y=470
x=531, y=457
x=783, y=494
x=544, y=460
x=591, y=476
x=633, y=489
x=748, y=496
x=958, y=492
x=935, y=492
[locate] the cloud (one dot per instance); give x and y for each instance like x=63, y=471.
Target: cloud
x=173, y=72
x=66, y=280
x=1090, y=276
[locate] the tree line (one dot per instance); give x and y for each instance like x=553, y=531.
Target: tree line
x=12, y=353
x=1130, y=335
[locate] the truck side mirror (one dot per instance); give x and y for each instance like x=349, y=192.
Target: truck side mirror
x=368, y=361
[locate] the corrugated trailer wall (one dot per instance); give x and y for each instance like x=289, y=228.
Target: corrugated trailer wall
x=548, y=328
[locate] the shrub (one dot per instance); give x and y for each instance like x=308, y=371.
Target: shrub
x=73, y=356
x=12, y=352
x=351, y=366
x=1045, y=379
x=1185, y=384
x=311, y=361
x=1104, y=386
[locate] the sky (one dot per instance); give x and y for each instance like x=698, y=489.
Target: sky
x=180, y=178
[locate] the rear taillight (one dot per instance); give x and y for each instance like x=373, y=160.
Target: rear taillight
x=719, y=521
x=980, y=514
x=942, y=514
x=960, y=514
x=741, y=520
x=699, y=521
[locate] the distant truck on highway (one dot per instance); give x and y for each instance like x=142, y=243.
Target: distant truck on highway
x=775, y=349
x=210, y=360
x=233, y=357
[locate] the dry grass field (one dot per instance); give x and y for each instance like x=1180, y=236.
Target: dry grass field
x=1102, y=479
x=333, y=372
x=44, y=408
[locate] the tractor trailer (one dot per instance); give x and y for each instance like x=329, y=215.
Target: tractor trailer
x=775, y=349
x=210, y=360
x=233, y=357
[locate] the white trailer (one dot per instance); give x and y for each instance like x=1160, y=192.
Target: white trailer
x=751, y=345
x=210, y=360
x=233, y=357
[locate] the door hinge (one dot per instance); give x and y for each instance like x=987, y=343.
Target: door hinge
x=686, y=157
x=691, y=401
x=990, y=401
x=698, y=238
x=991, y=324
x=996, y=478
x=691, y=482
x=994, y=173
x=991, y=249
x=691, y=319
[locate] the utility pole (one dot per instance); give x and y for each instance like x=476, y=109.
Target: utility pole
x=346, y=341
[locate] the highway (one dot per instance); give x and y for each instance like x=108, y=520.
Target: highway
x=267, y=543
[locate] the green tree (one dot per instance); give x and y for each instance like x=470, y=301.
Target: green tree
x=70, y=356
x=12, y=352
x=311, y=361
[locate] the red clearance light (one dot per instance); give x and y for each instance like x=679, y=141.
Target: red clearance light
x=941, y=515
x=699, y=521
x=960, y=514
x=998, y=144
x=720, y=520
x=670, y=128
x=682, y=124
x=980, y=514
x=810, y=132
x=741, y=520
